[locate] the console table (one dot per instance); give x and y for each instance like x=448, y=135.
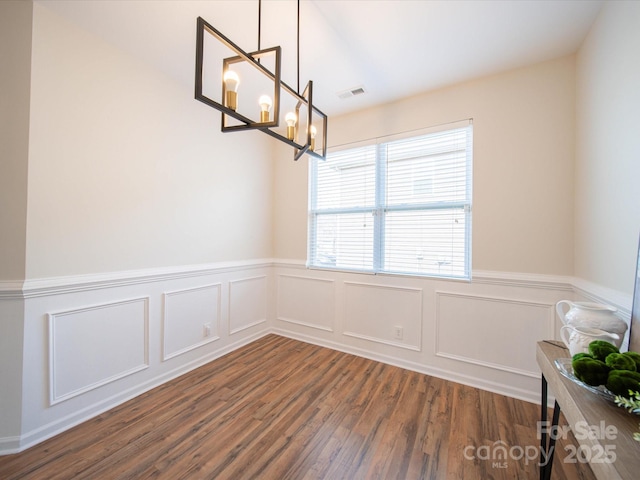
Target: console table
x=583, y=408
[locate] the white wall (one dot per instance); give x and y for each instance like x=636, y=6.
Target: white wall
x=127, y=171
x=607, y=199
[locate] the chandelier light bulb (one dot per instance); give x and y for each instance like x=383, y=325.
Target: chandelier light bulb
x=231, y=81
x=265, y=105
x=313, y=131
x=291, y=120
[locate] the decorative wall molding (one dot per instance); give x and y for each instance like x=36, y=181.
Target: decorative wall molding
x=305, y=324
x=373, y=311
x=78, y=283
x=571, y=285
x=306, y=301
x=291, y=263
x=383, y=341
x=600, y=294
x=515, y=279
x=310, y=307
x=11, y=289
x=183, y=323
x=75, y=283
x=247, y=303
x=494, y=366
x=87, y=346
x=488, y=333
x=528, y=280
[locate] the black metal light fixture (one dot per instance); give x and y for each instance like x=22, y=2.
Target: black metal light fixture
x=247, y=82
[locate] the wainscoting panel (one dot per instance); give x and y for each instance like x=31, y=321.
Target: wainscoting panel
x=487, y=331
x=384, y=314
x=247, y=303
x=306, y=301
x=93, y=346
x=191, y=318
x=107, y=326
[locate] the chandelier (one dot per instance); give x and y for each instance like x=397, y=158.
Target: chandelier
x=247, y=88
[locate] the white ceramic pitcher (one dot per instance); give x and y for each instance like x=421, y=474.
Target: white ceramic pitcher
x=592, y=315
x=577, y=339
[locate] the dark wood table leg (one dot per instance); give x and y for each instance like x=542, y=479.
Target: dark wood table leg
x=552, y=441
x=543, y=429
x=547, y=447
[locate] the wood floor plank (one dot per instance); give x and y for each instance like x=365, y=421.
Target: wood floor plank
x=283, y=409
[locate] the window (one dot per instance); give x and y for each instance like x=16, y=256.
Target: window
x=402, y=206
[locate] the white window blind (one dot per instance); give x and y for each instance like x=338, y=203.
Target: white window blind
x=401, y=206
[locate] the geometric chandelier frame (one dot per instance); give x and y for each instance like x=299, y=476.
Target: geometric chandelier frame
x=304, y=137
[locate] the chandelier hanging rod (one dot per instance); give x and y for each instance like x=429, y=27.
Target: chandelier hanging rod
x=298, y=47
x=297, y=39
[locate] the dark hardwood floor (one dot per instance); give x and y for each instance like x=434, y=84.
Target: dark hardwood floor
x=283, y=409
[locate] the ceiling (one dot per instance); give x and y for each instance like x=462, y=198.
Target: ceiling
x=393, y=48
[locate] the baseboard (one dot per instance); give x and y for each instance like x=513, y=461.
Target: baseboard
x=10, y=445
x=449, y=375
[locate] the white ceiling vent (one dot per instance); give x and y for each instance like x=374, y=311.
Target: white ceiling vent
x=352, y=92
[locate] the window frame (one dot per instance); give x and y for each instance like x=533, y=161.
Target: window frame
x=381, y=209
